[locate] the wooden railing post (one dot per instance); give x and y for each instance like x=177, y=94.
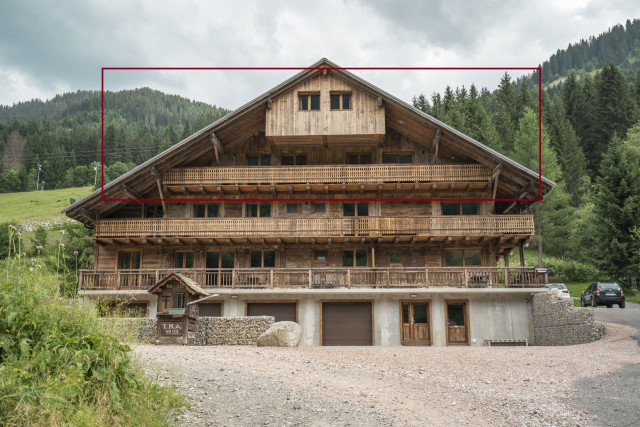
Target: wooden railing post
x=348, y=278
x=426, y=277
x=310, y=279
x=271, y=278
x=234, y=278
x=388, y=278
x=506, y=277
x=466, y=278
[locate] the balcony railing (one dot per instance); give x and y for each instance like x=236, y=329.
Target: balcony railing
x=320, y=278
x=327, y=174
x=315, y=227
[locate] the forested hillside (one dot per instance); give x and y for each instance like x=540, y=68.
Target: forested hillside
x=62, y=135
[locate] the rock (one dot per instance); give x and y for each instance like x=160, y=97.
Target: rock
x=281, y=334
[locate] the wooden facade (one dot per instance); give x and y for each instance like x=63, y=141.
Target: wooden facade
x=317, y=184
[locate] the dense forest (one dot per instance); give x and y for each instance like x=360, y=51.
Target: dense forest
x=62, y=135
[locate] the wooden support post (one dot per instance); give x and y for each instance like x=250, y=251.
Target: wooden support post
x=494, y=177
x=373, y=257
x=349, y=278
x=435, y=145
x=271, y=279
x=310, y=279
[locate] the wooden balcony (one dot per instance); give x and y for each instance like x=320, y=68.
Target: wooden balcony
x=423, y=227
x=320, y=278
x=373, y=177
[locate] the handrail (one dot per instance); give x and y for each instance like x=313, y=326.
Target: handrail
x=326, y=174
x=321, y=277
x=315, y=227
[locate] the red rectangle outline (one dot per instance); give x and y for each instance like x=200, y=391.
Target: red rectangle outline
x=538, y=69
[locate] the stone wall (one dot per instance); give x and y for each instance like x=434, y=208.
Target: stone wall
x=131, y=329
x=557, y=322
x=231, y=330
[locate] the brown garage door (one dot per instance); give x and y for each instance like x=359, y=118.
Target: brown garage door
x=346, y=323
x=210, y=309
x=280, y=310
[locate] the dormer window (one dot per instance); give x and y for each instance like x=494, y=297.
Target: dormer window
x=259, y=160
x=309, y=101
x=340, y=101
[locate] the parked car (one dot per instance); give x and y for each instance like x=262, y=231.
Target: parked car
x=603, y=293
x=564, y=292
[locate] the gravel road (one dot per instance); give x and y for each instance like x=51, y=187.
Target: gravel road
x=233, y=386
x=630, y=316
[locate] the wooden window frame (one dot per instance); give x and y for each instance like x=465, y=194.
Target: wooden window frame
x=366, y=251
x=356, y=209
x=396, y=264
x=184, y=258
x=296, y=158
x=258, y=204
x=296, y=204
x=308, y=96
x=398, y=154
x=121, y=251
x=262, y=251
x=370, y=154
x=260, y=157
x=341, y=100
x=464, y=263
x=206, y=210
x=460, y=208
x=324, y=208
x=467, y=322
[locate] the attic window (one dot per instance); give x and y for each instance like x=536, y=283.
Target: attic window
x=309, y=101
x=340, y=101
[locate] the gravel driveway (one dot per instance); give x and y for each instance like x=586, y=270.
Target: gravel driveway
x=629, y=316
x=397, y=385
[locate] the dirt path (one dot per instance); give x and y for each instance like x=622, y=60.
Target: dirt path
x=389, y=385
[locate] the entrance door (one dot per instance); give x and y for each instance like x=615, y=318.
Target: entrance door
x=457, y=319
x=415, y=323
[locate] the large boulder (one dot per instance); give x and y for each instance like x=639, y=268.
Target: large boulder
x=281, y=334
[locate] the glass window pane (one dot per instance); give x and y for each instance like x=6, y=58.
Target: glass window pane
x=405, y=158
x=252, y=210
x=455, y=313
x=352, y=159
x=335, y=101
x=395, y=258
x=363, y=209
x=227, y=259
x=269, y=258
x=472, y=257
x=304, y=102
x=405, y=313
x=361, y=258
x=265, y=210
x=189, y=257
x=320, y=255
x=125, y=260
x=265, y=160
x=347, y=258
x=198, y=211
x=287, y=160
x=320, y=207
x=212, y=211
x=213, y=260
x=349, y=209
x=256, y=259
x=178, y=260
x=365, y=159
x=159, y=212
x=135, y=260
x=179, y=300
x=346, y=102
x=292, y=208
x=301, y=159
x=450, y=208
x=389, y=158
x=252, y=160
x=471, y=208
x=420, y=313
x=454, y=258
x=315, y=102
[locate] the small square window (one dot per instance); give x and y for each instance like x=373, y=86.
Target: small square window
x=320, y=255
x=395, y=258
x=320, y=207
x=292, y=208
x=340, y=101
x=309, y=101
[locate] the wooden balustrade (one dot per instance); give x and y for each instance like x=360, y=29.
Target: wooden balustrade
x=326, y=174
x=320, y=278
x=315, y=227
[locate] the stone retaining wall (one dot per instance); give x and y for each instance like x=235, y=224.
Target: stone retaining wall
x=557, y=322
x=231, y=330
x=131, y=328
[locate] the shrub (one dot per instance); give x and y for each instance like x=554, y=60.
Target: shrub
x=572, y=271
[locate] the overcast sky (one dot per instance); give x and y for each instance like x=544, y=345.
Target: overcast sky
x=47, y=48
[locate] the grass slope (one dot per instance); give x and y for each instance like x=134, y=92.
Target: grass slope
x=37, y=205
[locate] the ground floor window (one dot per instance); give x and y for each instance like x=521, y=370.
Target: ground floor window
x=463, y=257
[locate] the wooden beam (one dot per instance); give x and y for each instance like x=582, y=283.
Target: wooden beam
x=436, y=144
x=528, y=188
x=379, y=102
x=130, y=192
x=269, y=104
x=156, y=175
x=217, y=142
x=494, y=177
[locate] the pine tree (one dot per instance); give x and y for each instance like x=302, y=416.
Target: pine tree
x=186, y=130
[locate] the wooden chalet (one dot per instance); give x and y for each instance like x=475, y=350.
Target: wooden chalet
x=310, y=217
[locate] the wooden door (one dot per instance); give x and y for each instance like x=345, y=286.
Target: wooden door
x=415, y=323
x=457, y=319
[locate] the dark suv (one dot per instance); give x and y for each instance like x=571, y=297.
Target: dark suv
x=602, y=293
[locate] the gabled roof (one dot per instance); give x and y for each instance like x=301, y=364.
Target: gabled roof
x=249, y=118
x=190, y=284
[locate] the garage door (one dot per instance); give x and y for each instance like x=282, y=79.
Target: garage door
x=210, y=309
x=346, y=323
x=280, y=310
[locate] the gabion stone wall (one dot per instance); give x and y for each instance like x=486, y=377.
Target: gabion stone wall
x=557, y=322
x=138, y=329
x=231, y=330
